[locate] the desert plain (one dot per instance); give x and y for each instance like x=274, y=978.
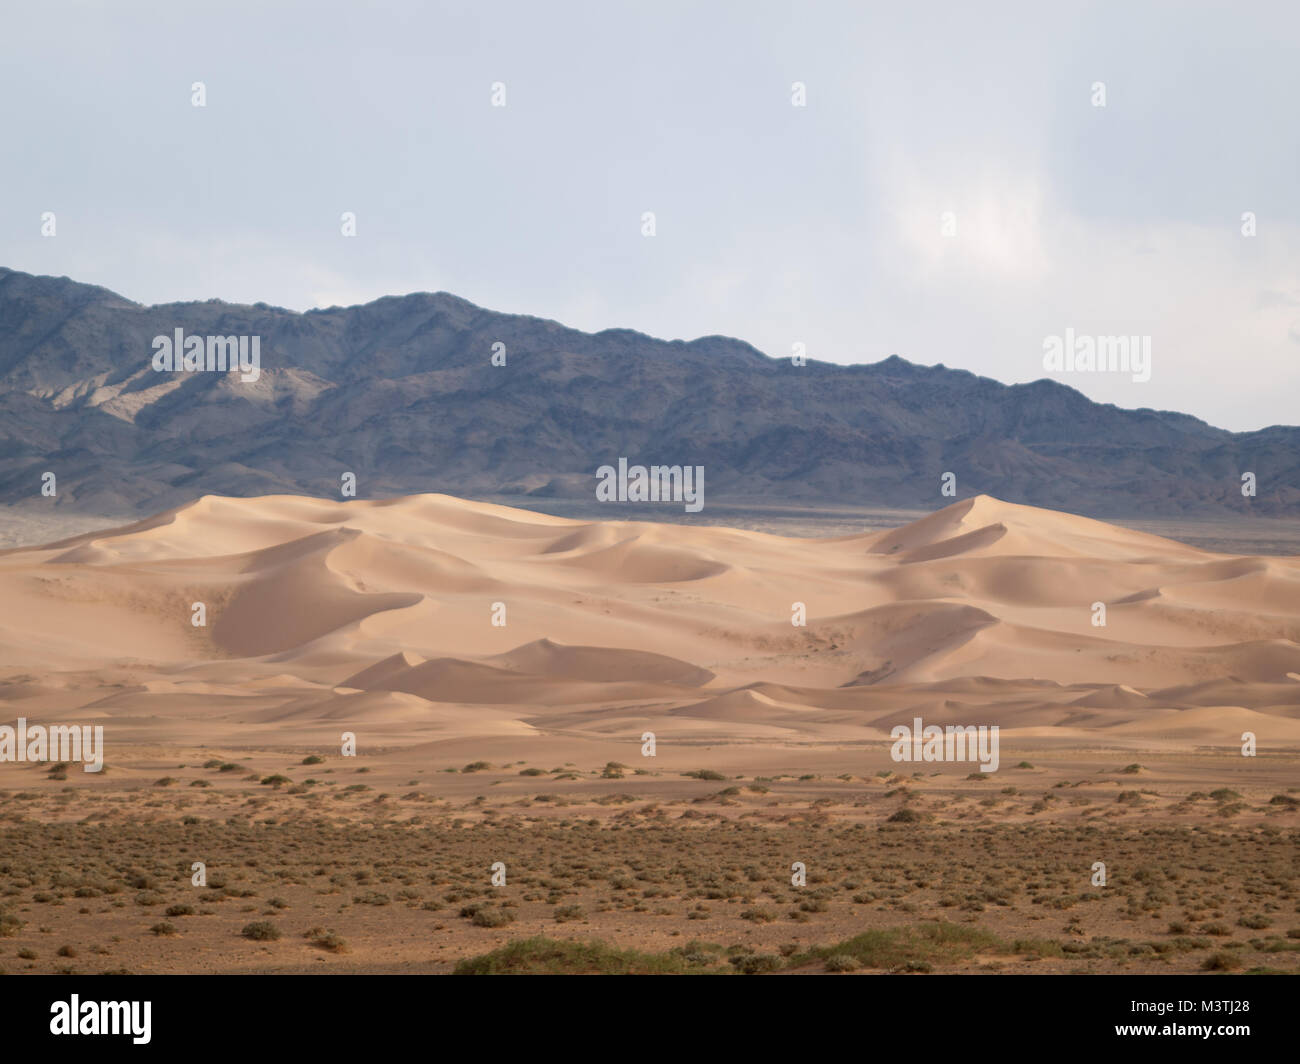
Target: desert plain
x=427, y=735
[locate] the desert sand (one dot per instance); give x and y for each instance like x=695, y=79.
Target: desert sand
x=377, y=618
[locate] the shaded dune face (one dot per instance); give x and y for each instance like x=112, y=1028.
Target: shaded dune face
x=432, y=617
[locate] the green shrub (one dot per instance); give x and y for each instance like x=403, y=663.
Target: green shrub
x=545, y=956
x=756, y=963
x=328, y=940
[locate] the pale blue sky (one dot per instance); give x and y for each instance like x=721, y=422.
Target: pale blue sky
x=775, y=224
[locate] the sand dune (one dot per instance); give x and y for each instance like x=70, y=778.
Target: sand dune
x=325, y=616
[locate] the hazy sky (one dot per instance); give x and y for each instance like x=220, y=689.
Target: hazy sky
x=774, y=223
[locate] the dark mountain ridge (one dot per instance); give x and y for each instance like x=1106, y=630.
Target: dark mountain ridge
x=402, y=392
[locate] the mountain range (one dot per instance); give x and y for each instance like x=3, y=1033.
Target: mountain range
x=403, y=393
